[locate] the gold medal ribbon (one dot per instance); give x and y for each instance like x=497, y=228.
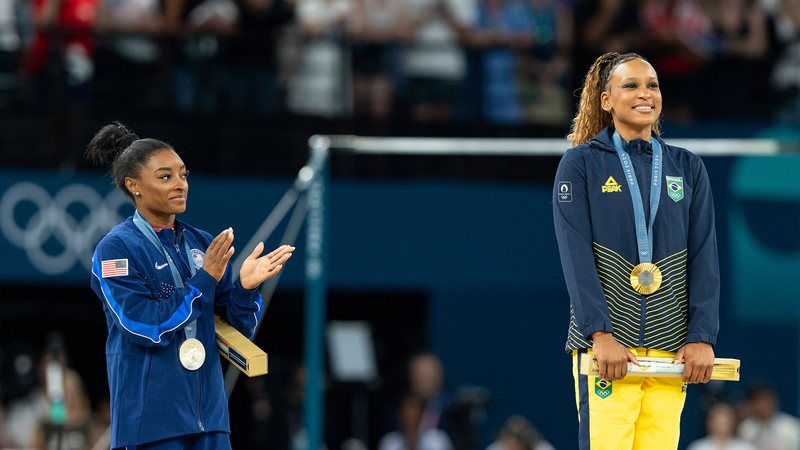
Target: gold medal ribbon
x=645, y=277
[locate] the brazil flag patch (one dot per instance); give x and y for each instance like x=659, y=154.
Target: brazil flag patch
x=602, y=387
x=675, y=188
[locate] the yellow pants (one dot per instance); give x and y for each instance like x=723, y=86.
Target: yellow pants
x=636, y=413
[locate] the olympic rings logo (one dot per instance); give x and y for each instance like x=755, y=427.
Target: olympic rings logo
x=62, y=230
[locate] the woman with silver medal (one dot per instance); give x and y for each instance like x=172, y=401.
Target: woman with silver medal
x=161, y=281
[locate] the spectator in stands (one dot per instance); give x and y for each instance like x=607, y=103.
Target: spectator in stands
x=546, y=65
x=721, y=428
x=740, y=60
x=263, y=418
x=103, y=414
x=412, y=433
x=253, y=56
x=80, y=429
x=433, y=61
x=5, y=441
x=681, y=40
x=503, y=30
x=10, y=41
x=766, y=427
x=129, y=53
x=24, y=414
x=35, y=422
x=63, y=28
x=201, y=28
x=426, y=381
x=319, y=84
x=518, y=434
x=294, y=398
x=373, y=30
x=60, y=63
x=604, y=26
x=786, y=75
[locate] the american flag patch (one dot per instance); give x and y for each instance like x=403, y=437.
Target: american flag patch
x=114, y=268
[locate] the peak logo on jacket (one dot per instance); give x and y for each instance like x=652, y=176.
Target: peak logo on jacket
x=612, y=185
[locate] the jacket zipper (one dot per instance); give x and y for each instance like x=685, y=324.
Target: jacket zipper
x=639, y=154
x=197, y=400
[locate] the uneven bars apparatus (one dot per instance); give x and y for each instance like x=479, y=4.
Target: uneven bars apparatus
x=321, y=146
x=252, y=361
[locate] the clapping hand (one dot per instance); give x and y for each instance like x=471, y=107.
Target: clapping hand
x=258, y=269
x=218, y=254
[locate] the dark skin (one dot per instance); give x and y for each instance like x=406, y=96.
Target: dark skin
x=160, y=191
x=633, y=98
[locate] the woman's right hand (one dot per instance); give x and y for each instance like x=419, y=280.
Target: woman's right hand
x=612, y=357
x=218, y=254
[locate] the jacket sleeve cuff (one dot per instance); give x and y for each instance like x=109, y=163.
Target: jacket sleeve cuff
x=204, y=282
x=249, y=294
x=587, y=330
x=701, y=337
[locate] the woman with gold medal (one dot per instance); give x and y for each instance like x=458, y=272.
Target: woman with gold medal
x=161, y=281
x=634, y=219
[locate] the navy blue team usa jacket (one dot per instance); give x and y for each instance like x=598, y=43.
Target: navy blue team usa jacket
x=594, y=224
x=152, y=396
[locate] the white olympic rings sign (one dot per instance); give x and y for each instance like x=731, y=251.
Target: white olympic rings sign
x=53, y=219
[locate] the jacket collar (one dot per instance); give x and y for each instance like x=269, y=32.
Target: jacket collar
x=603, y=141
x=180, y=229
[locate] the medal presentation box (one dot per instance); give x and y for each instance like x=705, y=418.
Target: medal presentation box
x=725, y=369
x=239, y=350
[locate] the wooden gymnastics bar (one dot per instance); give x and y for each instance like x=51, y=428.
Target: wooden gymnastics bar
x=725, y=369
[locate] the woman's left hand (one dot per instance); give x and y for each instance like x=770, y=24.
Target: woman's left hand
x=699, y=360
x=258, y=269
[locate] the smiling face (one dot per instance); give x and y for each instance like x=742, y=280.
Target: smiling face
x=633, y=98
x=161, y=188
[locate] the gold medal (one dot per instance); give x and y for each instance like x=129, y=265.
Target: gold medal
x=192, y=354
x=646, y=278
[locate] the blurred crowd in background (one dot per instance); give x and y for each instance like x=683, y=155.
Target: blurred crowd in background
x=46, y=406
x=488, y=67
x=268, y=414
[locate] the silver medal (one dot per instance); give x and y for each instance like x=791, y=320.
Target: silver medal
x=192, y=354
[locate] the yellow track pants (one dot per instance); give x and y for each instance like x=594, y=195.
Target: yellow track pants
x=635, y=413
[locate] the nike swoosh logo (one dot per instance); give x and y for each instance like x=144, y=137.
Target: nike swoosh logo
x=161, y=266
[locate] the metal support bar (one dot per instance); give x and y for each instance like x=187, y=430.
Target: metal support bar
x=315, y=293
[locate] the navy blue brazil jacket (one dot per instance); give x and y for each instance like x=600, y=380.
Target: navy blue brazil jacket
x=152, y=396
x=594, y=224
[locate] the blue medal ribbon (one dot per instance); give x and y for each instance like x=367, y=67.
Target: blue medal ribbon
x=150, y=234
x=644, y=231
